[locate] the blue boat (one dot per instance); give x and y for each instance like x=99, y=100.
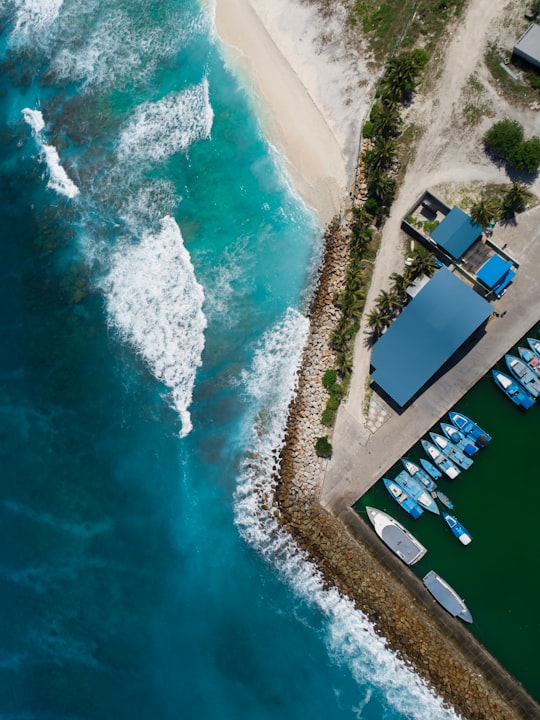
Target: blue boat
x=451, y=451
x=531, y=358
x=441, y=460
x=457, y=528
x=401, y=497
x=430, y=469
x=524, y=375
x=447, y=596
x=417, y=473
x=444, y=499
x=513, y=390
x=464, y=443
x=534, y=345
x=469, y=428
x=416, y=491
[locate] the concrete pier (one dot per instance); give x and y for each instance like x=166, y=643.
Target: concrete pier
x=361, y=456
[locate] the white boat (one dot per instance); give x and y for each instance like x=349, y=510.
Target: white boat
x=398, y=538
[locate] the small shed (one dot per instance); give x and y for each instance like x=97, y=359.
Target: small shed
x=496, y=274
x=456, y=233
x=528, y=45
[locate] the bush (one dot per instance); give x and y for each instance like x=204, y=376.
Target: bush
x=323, y=447
x=535, y=82
x=503, y=137
x=367, y=130
x=329, y=379
x=371, y=206
x=526, y=156
x=328, y=417
x=420, y=57
x=333, y=403
x=337, y=390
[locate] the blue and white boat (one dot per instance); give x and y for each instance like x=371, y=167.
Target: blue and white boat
x=531, y=359
x=401, y=497
x=464, y=443
x=457, y=528
x=441, y=460
x=451, y=451
x=513, y=390
x=417, y=473
x=416, y=491
x=524, y=375
x=469, y=428
x=534, y=344
x=430, y=469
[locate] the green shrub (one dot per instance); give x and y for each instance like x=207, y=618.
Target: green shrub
x=329, y=379
x=503, y=137
x=526, y=155
x=367, y=130
x=333, y=403
x=328, y=417
x=420, y=57
x=371, y=206
x=535, y=82
x=337, y=390
x=323, y=447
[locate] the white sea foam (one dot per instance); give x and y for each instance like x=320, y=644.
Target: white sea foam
x=33, y=16
x=58, y=178
x=155, y=302
x=350, y=637
x=168, y=126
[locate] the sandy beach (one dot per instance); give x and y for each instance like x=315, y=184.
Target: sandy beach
x=311, y=92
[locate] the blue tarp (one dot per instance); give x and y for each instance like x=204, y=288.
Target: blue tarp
x=496, y=273
x=426, y=334
x=456, y=233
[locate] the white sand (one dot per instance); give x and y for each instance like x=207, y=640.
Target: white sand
x=311, y=94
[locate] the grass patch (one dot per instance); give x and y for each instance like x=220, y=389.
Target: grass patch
x=521, y=94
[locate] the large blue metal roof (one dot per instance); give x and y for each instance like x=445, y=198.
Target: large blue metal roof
x=496, y=273
x=456, y=233
x=426, y=334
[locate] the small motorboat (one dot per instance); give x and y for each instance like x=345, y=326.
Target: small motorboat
x=401, y=497
x=444, y=499
x=430, y=469
x=530, y=358
x=441, y=460
x=417, y=473
x=451, y=450
x=398, y=538
x=524, y=375
x=513, y=390
x=469, y=428
x=416, y=491
x=446, y=596
x=457, y=528
x=465, y=444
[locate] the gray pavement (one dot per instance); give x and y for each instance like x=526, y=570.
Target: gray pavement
x=363, y=454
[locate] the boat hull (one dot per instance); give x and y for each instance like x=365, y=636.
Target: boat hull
x=524, y=375
x=396, y=537
x=465, y=444
x=401, y=497
x=446, y=596
x=417, y=491
x=451, y=451
x=470, y=428
x=457, y=528
x=513, y=390
x=440, y=460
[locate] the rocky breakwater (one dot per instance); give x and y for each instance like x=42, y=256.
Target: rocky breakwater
x=350, y=563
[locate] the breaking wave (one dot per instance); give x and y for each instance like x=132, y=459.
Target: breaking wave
x=271, y=384
x=170, y=125
x=155, y=303
x=59, y=181
x=32, y=16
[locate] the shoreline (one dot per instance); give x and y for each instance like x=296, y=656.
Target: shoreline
x=310, y=109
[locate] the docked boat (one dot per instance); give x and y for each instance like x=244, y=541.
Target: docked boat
x=401, y=497
x=513, y=390
x=444, y=499
x=441, y=460
x=398, y=538
x=524, y=375
x=465, y=444
x=534, y=345
x=457, y=528
x=451, y=451
x=416, y=491
x=469, y=428
x=417, y=473
x=531, y=358
x=446, y=596
x=430, y=469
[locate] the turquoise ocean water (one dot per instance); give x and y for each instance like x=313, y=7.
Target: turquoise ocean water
x=155, y=265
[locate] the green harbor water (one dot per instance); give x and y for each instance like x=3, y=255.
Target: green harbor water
x=498, y=502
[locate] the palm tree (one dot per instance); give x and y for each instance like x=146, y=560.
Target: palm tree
x=387, y=121
x=382, y=187
x=378, y=321
x=486, y=211
x=424, y=263
x=388, y=302
x=382, y=154
x=516, y=198
x=400, y=283
x=400, y=76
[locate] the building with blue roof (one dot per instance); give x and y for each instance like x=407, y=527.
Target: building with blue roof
x=456, y=233
x=496, y=274
x=435, y=324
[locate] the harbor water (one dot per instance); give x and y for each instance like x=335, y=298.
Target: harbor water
x=155, y=269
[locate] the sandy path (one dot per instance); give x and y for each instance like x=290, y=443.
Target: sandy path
x=308, y=96
x=447, y=152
